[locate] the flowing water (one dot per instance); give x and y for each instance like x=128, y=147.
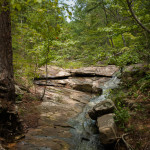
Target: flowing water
x=86, y=136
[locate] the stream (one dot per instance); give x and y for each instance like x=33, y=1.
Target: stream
x=64, y=123
x=86, y=134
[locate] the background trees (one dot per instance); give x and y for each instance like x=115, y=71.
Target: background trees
x=106, y=30
x=100, y=30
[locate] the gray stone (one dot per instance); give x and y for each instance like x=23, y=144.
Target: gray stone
x=102, y=108
x=95, y=71
x=107, y=129
x=53, y=71
x=63, y=74
x=84, y=85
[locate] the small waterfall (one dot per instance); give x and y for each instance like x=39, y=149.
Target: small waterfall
x=86, y=135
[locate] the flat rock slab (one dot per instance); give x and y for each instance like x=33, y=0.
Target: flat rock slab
x=53, y=131
x=57, y=72
x=95, y=71
x=86, y=84
x=53, y=71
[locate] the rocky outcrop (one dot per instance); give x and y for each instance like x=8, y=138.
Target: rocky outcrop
x=103, y=113
x=107, y=71
x=84, y=85
x=107, y=129
x=66, y=99
x=102, y=108
x=71, y=77
x=54, y=72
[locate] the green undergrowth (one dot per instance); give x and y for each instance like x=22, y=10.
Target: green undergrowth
x=134, y=89
x=68, y=64
x=132, y=100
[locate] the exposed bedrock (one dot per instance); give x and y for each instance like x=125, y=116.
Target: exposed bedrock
x=68, y=91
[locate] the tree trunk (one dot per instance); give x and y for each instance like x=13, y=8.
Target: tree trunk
x=7, y=89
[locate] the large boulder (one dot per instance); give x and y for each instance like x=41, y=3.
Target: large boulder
x=102, y=108
x=107, y=129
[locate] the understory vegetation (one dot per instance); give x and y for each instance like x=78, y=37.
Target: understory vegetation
x=132, y=99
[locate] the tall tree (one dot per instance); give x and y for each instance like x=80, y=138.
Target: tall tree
x=7, y=89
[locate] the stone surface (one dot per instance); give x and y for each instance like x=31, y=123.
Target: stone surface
x=85, y=85
x=64, y=100
x=53, y=131
x=85, y=71
x=53, y=71
x=90, y=85
x=107, y=129
x=63, y=74
x=95, y=71
x=102, y=108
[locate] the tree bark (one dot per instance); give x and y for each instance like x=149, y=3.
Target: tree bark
x=7, y=89
x=135, y=17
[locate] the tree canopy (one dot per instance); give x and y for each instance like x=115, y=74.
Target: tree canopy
x=108, y=31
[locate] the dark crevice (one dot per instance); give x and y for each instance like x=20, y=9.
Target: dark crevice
x=64, y=126
x=84, y=139
x=48, y=84
x=66, y=77
x=51, y=78
x=89, y=75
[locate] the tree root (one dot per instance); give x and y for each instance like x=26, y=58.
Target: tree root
x=119, y=139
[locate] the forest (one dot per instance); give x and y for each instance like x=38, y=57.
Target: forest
x=73, y=34
x=115, y=32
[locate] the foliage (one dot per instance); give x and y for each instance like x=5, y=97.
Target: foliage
x=122, y=117
x=131, y=94
x=35, y=25
x=98, y=31
x=105, y=31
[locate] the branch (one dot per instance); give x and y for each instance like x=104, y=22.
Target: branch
x=124, y=141
x=135, y=17
x=93, y=7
